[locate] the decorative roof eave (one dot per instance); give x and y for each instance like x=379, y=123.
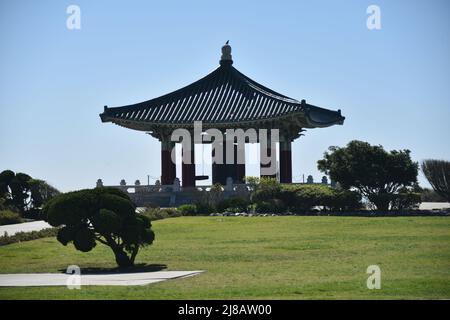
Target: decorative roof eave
x=320, y=118
x=311, y=117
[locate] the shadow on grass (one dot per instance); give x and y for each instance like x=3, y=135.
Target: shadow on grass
x=140, y=267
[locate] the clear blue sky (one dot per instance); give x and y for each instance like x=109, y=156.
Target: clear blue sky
x=393, y=84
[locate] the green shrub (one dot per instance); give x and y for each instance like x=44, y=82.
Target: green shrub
x=252, y=181
x=266, y=189
x=160, y=213
x=405, y=201
x=155, y=214
x=187, y=209
x=429, y=195
x=9, y=217
x=171, y=212
x=270, y=206
x=207, y=201
x=27, y=236
x=151, y=205
x=302, y=198
x=305, y=197
x=204, y=208
x=232, y=210
x=237, y=204
x=270, y=196
x=343, y=200
x=263, y=207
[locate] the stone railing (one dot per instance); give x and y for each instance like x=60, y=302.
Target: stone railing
x=174, y=195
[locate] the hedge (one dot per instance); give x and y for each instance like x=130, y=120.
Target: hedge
x=188, y=209
x=9, y=217
x=27, y=236
x=233, y=204
x=302, y=198
x=159, y=214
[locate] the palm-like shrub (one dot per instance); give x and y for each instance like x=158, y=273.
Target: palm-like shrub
x=104, y=215
x=437, y=173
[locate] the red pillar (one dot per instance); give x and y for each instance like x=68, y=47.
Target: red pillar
x=188, y=169
x=270, y=149
x=285, y=162
x=168, y=168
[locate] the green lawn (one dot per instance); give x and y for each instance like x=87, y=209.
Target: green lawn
x=263, y=258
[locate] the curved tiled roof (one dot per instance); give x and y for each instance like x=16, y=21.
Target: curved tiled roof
x=224, y=96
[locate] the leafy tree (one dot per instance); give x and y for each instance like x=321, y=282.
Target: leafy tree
x=374, y=172
x=437, y=173
x=15, y=188
x=41, y=192
x=20, y=191
x=106, y=215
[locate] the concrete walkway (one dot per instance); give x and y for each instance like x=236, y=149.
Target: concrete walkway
x=116, y=279
x=434, y=205
x=12, y=229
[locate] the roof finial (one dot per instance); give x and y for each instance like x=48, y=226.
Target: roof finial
x=226, y=55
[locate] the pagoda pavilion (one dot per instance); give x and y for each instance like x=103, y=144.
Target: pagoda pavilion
x=223, y=99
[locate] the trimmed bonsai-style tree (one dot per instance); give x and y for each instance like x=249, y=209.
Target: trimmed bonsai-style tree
x=106, y=215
